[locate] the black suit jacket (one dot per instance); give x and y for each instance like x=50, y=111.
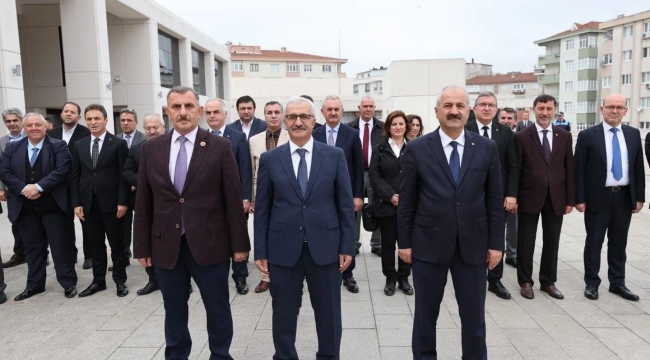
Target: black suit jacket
x=257, y=126
x=590, y=164
x=79, y=133
x=242, y=152
x=385, y=175
x=348, y=140
x=434, y=213
x=56, y=166
x=130, y=170
x=377, y=133
x=111, y=191
x=505, y=139
x=521, y=126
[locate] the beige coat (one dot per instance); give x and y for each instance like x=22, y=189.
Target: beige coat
x=258, y=146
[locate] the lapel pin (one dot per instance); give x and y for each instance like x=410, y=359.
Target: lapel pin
x=202, y=143
x=556, y=134
x=472, y=144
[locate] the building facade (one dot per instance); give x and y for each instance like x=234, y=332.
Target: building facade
x=624, y=56
x=514, y=89
x=569, y=70
x=119, y=53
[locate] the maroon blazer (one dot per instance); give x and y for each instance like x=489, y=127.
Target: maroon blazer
x=211, y=201
x=536, y=177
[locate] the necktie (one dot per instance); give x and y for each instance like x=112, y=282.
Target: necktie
x=180, y=173
x=485, y=132
x=302, y=172
x=617, y=164
x=95, y=153
x=546, y=146
x=272, y=143
x=330, y=138
x=128, y=141
x=366, y=144
x=218, y=133
x=454, y=162
x=32, y=160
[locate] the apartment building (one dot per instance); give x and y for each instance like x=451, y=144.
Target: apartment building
x=369, y=83
x=569, y=71
x=473, y=69
x=514, y=89
x=624, y=55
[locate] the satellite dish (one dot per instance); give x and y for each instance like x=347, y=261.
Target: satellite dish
x=639, y=108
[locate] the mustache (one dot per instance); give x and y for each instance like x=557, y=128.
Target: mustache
x=453, y=116
x=298, y=127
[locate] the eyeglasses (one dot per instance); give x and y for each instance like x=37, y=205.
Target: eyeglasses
x=294, y=117
x=483, y=105
x=612, y=107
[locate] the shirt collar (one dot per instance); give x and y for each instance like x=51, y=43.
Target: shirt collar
x=39, y=146
x=540, y=129
x=445, y=139
x=250, y=123
x=191, y=136
x=336, y=128
x=309, y=146
x=132, y=135
x=20, y=136
x=69, y=131
x=101, y=137
x=391, y=142
x=362, y=123
x=222, y=128
x=276, y=132
x=480, y=125
x=608, y=127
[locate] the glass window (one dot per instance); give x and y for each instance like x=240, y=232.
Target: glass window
x=198, y=71
x=328, y=69
x=367, y=88
x=568, y=86
x=628, y=31
x=568, y=65
x=504, y=86
x=170, y=73
x=292, y=67
x=254, y=67
x=570, y=44
x=627, y=79
x=473, y=88
x=275, y=68
x=218, y=80
x=646, y=52
x=587, y=63
x=237, y=66
x=307, y=68
x=535, y=85
x=607, y=59
x=568, y=107
x=646, y=27
x=586, y=85
x=356, y=89
x=607, y=81
x=627, y=55
x=585, y=107
x=517, y=87
x=645, y=102
x=584, y=41
x=645, y=77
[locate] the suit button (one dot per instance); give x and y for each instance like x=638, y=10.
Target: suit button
x=304, y=206
x=300, y=228
x=182, y=200
x=454, y=224
x=178, y=226
x=457, y=202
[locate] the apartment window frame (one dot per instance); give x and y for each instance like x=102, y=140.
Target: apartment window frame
x=473, y=88
x=645, y=77
x=587, y=63
x=586, y=107
x=328, y=69
x=607, y=59
x=169, y=60
x=275, y=68
x=504, y=87
x=535, y=85
x=568, y=86
x=218, y=80
x=568, y=106
x=587, y=85
x=568, y=65
x=355, y=89
x=570, y=44
x=293, y=66
x=628, y=31
x=626, y=79
x=198, y=71
x=306, y=68
x=367, y=88
x=237, y=65
x=519, y=86
x=645, y=102
x=606, y=82
x=254, y=67
x=646, y=52
x=646, y=27
x=627, y=55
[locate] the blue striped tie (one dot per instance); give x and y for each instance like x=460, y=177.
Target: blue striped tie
x=617, y=164
x=302, y=172
x=32, y=160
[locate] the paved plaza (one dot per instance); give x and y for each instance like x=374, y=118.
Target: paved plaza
x=49, y=326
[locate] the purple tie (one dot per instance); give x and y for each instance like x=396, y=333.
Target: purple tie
x=180, y=173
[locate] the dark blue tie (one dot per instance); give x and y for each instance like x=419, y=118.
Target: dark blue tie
x=454, y=162
x=302, y=172
x=617, y=164
x=32, y=160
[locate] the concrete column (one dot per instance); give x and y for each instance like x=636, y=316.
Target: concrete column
x=86, y=54
x=12, y=92
x=185, y=60
x=210, y=84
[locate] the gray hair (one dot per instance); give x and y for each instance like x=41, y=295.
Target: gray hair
x=486, y=94
x=334, y=97
x=183, y=90
x=222, y=101
x=298, y=99
x=367, y=97
x=150, y=115
x=33, y=114
x=12, y=111
x=450, y=87
x=273, y=102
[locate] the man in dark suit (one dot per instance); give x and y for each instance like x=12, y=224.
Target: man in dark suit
x=247, y=123
x=304, y=228
x=215, y=115
x=371, y=133
x=347, y=139
x=70, y=132
x=508, y=117
x=610, y=187
x=546, y=188
x=35, y=169
x=153, y=126
x=188, y=223
x=3, y=286
x=452, y=192
x=525, y=122
x=485, y=109
x=100, y=198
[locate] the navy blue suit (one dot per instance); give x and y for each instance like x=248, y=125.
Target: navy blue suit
x=303, y=237
x=347, y=139
x=257, y=126
x=45, y=220
x=450, y=227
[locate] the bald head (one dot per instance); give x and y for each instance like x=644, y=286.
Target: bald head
x=614, y=109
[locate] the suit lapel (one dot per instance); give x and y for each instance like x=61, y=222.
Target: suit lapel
x=555, y=148
x=316, y=161
x=197, y=156
x=165, y=150
x=629, y=140
x=340, y=137
x=495, y=135
x=84, y=151
x=600, y=142
x=535, y=138
x=45, y=152
x=436, y=146
x=473, y=126
x=108, y=142
x=468, y=153
x=285, y=157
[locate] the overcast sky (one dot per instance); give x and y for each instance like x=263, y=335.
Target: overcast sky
x=375, y=32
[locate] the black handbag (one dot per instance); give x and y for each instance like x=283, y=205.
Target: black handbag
x=368, y=217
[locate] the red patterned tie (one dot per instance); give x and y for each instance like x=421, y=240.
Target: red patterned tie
x=366, y=143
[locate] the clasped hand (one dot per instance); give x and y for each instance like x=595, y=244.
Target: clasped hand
x=31, y=192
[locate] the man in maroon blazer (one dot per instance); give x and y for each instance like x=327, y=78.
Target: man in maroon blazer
x=188, y=222
x=546, y=187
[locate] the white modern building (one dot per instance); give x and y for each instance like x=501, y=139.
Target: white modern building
x=119, y=53
x=369, y=83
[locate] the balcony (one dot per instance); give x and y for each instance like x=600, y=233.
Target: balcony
x=548, y=79
x=539, y=70
x=553, y=58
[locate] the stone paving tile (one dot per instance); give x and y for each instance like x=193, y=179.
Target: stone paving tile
x=624, y=343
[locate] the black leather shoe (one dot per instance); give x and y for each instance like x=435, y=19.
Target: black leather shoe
x=389, y=289
x=512, y=262
x=110, y=268
x=499, y=290
x=27, y=294
x=591, y=292
x=3, y=297
x=87, y=264
x=47, y=261
x=351, y=284
x=148, y=289
x=376, y=251
x=70, y=292
x=242, y=288
x=406, y=288
x=92, y=289
x=624, y=292
x=128, y=254
x=16, y=259
x=122, y=290
x=356, y=252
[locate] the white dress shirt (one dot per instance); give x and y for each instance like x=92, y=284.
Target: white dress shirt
x=67, y=134
x=362, y=130
x=128, y=139
x=101, y=142
x=625, y=161
x=480, y=128
x=246, y=128
x=295, y=157
x=176, y=147
x=396, y=149
x=549, y=134
x=446, y=145
x=335, y=134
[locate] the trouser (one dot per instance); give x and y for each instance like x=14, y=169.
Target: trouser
x=19, y=244
x=388, y=228
x=99, y=227
x=375, y=239
x=3, y=286
x=127, y=234
x=496, y=274
x=152, y=274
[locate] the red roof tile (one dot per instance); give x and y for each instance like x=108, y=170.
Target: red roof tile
x=509, y=78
